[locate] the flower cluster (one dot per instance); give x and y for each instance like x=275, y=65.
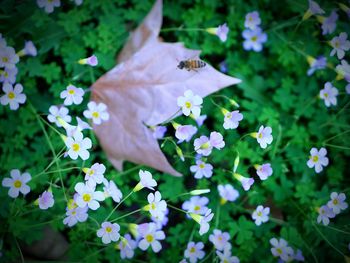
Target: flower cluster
x=282, y=250
x=332, y=208
x=8, y=71
x=253, y=34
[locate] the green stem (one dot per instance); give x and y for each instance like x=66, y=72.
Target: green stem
x=337, y=146
x=181, y=29
x=325, y=238
x=178, y=209
x=116, y=207
x=128, y=214
x=335, y=136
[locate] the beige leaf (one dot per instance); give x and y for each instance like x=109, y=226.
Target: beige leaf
x=144, y=88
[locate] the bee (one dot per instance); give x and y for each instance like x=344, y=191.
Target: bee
x=191, y=64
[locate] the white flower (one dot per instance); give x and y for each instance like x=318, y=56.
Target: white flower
x=280, y=248
x=252, y=20
x=318, y=159
x=202, y=169
x=190, y=103
x=340, y=44
x=232, y=119
x=72, y=95
x=150, y=236
x=194, y=251
x=56, y=113
x=337, y=202
x=13, y=96
x=185, y=132
x=219, y=239
x=111, y=190
x=109, y=232
x=127, y=246
x=264, y=171
x=202, y=146
x=161, y=221
x=78, y=2
x=329, y=23
x=196, y=205
x=2, y=41
x=146, y=180
x=228, y=193
x=204, y=226
x=314, y=8
x=329, y=94
x=81, y=125
x=77, y=146
x=94, y=174
x=48, y=5
x=324, y=214
x=29, y=49
x=46, y=200
x=96, y=112
x=216, y=140
x=157, y=207
x=8, y=57
x=264, y=136
x=245, y=181
x=343, y=70
x=87, y=196
x=91, y=61
x=221, y=31
x=226, y=257
x=261, y=215
x=75, y=215
x=8, y=75
x=17, y=183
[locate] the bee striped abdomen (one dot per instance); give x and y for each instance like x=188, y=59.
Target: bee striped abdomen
x=197, y=64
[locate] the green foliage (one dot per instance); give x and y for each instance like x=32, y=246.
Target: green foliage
x=275, y=91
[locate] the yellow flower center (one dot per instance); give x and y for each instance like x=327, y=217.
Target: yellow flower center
x=6, y=74
x=5, y=59
x=335, y=201
x=91, y=172
x=279, y=251
x=220, y=238
x=197, y=208
x=188, y=104
x=337, y=44
x=95, y=114
x=260, y=135
x=192, y=250
x=74, y=212
x=202, y=165
x=76, y=147
x=326, y=95
x=11, y=95
x=250, y=19
x=108, y=229
x=149, y=238
x=153, y=206
x=229, y=115
x=86, y=197
x=205, y=145
x=315, y=159
x=225, y=261
x=254, y=38
x=71, y=91
x=259, y=214
x=17, y=184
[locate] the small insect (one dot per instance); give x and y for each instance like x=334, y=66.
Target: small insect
x=191, y=64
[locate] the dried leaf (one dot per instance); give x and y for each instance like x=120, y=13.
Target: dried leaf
x=144, y=88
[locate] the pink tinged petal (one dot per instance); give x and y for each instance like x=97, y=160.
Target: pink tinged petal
x=84, y=154
x=7, y=88
x=100, y=232
x=13, y=192
x=18, y=89
x=318, y=168
x=80, y=202
x=106, y=239
x=93, y=205
x=80, y=188
x=14, y=105
x=143, y=245
x=322, y=152
x=156, y=246
x=99, y=196
x=25, y=189
x=7, y=182
x=313, y=151
x=159, y=235
x=26, y=177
